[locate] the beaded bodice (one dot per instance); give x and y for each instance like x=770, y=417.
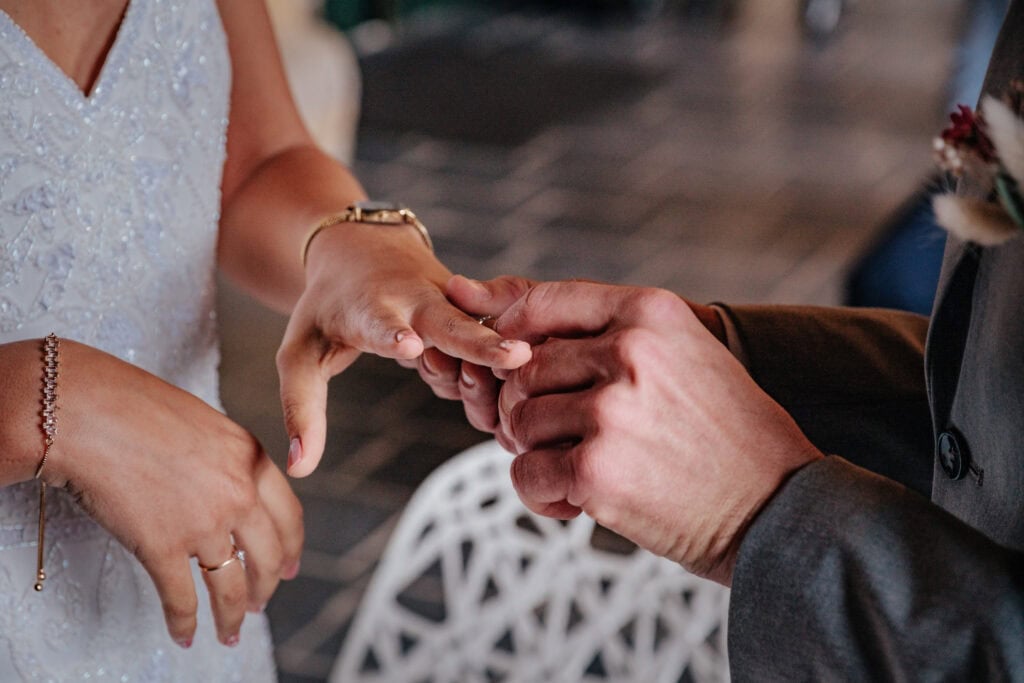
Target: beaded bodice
x=109, y=203
x=109, y=206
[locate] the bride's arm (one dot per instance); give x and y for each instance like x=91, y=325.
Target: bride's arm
x=366, y=288
x=167, y=475
x=277, y=183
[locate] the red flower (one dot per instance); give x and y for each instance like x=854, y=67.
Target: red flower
x=968, y=133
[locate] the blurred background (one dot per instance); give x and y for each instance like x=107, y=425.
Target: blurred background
x=742, y=151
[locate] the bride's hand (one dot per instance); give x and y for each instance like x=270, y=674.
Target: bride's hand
x=370, y=288
x=172, y=478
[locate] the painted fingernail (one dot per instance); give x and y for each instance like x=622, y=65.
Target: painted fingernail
x=291, y=572
x=184, y=643
x=467, y=380
x=507, y=344
x=404, y=334
x=294, y=452
x=232, y=640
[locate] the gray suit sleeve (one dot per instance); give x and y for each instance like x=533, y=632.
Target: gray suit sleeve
x=853, y=379
x=845, y=575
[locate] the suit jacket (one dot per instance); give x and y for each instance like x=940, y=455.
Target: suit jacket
x=902, y=558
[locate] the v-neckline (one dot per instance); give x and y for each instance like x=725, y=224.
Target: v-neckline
x=104, y=82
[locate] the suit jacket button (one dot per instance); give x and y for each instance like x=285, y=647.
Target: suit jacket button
x=952, y=455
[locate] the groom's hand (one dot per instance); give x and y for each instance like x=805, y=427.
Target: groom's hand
x=633, y=412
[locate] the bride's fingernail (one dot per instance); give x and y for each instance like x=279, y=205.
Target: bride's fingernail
x=467, y=380
x=294, y=452
x=507, y=344
x=402, y=334
x=427, y=367
x=291, y=572
x=184, y=643
x=232, y=640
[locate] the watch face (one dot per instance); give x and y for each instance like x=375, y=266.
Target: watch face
x=373, y=206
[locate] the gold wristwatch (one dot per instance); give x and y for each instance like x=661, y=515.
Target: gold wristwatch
x=383, y=213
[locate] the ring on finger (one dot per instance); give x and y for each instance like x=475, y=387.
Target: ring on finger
x=486, y=321
x=237, y=555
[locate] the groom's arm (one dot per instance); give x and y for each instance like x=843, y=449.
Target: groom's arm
x=853, y=379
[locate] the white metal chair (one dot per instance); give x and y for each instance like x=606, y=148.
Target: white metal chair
x=474, y=587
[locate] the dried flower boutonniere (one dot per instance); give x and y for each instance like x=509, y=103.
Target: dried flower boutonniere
x=987, y=147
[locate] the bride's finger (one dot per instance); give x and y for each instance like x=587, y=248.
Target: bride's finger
x=462, y=336
x=285, y=512
x=379, y=329
x=441, y=373
x=479, y=390
x=172, y=577
x=224, y=574
x=263, y=557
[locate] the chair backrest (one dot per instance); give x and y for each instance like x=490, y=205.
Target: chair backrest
x=474, y=587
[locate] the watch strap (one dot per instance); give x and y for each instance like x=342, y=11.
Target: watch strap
x=357, y=214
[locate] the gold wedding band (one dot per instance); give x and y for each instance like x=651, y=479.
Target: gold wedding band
x=486, y=321
x=236, y=556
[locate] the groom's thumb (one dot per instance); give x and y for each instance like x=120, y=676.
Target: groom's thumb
x=487, y=298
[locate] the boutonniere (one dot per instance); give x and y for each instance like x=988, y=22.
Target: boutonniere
x=987, y=148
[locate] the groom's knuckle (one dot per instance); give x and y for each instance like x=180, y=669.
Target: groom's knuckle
x=605, y=408
x=658, y=306
x=628, y=347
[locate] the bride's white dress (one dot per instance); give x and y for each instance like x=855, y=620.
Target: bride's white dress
x=108, y=218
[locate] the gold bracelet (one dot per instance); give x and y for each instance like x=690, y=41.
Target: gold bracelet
x=51, y=349
x=368, y=212
x=322, y=225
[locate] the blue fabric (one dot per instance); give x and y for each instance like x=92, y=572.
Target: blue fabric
x=902, y=270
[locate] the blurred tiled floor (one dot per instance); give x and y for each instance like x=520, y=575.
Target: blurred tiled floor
x=733, y=163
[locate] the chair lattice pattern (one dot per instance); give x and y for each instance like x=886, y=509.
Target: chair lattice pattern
x=474, y=587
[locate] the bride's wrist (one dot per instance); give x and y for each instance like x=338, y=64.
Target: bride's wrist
x=361, y=250
x=22, y=439
x=367, y=225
